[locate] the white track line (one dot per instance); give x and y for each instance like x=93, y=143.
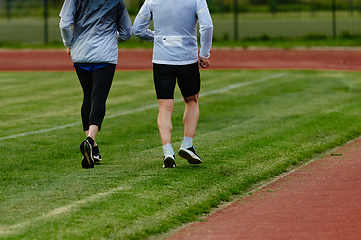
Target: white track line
x=151, y=106
x=40, y=131
x=242, y=84
x=16, y=228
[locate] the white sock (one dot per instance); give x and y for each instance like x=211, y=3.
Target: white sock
x=168, y=150
x=187, y=142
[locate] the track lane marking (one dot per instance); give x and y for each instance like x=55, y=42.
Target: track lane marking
x=151, y=106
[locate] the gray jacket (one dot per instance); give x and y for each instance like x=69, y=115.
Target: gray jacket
x=91, y=28
x=175, y=30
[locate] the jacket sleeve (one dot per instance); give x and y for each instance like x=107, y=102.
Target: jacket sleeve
x=142, y=22
x=124, y=24
x=67, y=14
x=205, y=28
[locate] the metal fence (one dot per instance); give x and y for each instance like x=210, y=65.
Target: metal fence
x=36, y=21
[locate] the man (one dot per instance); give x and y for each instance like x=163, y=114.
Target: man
x=90, y=30
x=175, y=58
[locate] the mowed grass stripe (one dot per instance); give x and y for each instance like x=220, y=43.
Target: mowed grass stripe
x=245, y=136
x=21, y=227
x=140, y=109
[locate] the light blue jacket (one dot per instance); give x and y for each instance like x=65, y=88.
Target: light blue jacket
x=175, y=30
x=91, y=28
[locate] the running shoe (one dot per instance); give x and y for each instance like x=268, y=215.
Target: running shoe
x=190, y=154
x=86, y=148
x=169, y=161
x=96, y=156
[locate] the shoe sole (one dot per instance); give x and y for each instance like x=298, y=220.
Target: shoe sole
x=86, y=150
x=169, y=163
x=189, y=157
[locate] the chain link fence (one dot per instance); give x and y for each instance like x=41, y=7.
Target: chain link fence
x=37, y=21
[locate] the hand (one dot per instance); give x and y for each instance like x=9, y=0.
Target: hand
x=203, y=62
x=68, y=51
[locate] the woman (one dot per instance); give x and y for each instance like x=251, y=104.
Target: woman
x=90, y=31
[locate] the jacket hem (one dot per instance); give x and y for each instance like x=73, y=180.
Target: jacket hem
x=175, y=62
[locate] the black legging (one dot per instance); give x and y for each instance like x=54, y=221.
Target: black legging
x=96, y=86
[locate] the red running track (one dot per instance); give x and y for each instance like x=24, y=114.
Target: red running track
x=140, y=59
x=319, y=201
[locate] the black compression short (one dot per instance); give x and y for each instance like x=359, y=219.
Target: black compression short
x=165, y=77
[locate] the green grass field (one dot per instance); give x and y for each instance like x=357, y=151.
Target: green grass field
x=254, y=125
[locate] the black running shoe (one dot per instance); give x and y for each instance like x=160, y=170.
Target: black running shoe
x=96, y=156
x=190, y=154
x=169, y=162
x=86, y=148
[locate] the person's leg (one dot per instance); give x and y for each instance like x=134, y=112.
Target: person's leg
x=191, y=115
x=190, y=120
x=86, y=81
x=93, y=109
x=166, y=107
x=164, y=83
x=93, y=132
x=189, y=84
x=102, y=82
